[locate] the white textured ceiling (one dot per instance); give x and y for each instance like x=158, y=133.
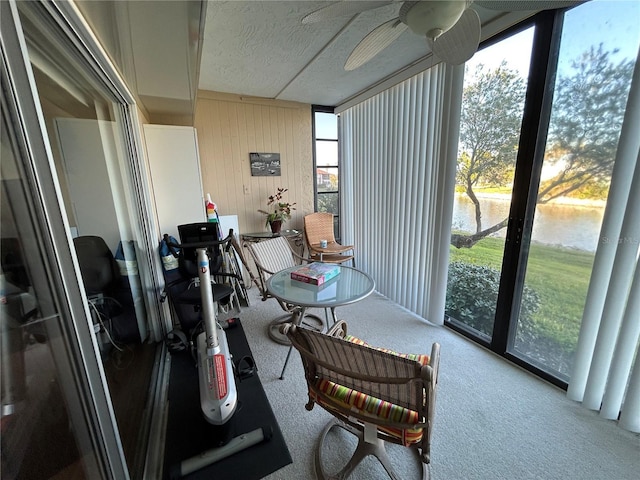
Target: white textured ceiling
x=254, y=48
x=261, y=48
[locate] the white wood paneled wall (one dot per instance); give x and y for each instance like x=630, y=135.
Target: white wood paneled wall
x=229, y=128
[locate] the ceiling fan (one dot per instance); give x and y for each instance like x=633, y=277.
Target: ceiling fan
x=451, y=27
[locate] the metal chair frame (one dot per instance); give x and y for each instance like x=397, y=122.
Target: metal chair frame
x=269, y=257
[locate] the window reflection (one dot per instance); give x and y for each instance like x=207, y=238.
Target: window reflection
x=44, y=427
x=36, y=401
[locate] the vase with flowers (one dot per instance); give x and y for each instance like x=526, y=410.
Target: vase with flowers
x=279, y=211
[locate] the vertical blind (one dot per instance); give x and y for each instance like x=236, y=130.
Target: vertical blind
x=604, y=376
x=398, y=156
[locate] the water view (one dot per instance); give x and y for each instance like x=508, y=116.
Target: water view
x=572, y=226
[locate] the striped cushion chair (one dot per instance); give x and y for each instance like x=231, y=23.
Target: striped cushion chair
x=376, y=394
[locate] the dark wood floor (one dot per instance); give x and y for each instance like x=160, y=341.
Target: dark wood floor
x=128, y=375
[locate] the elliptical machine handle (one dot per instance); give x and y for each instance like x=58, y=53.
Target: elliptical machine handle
x=211, y=243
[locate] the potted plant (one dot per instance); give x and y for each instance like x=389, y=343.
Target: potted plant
x=280, y=211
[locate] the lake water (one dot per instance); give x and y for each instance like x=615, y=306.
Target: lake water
x=573, y=226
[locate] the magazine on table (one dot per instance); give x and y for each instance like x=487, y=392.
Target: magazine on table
x=315, y=273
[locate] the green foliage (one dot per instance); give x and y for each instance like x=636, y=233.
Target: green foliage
x=472, y=293
x=279, y=210
x=328, y=203
x=560, y=278
x=490, y=125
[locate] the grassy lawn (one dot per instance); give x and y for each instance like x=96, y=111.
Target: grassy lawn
x=559, y=275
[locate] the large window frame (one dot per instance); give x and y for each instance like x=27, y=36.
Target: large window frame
x=533, y=133
x=531, y=151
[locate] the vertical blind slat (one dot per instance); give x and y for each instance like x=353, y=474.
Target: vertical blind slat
x=395, y=143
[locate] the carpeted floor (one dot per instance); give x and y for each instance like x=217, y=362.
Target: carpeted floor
x=493, y=420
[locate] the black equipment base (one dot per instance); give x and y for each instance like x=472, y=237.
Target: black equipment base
x=189, y=434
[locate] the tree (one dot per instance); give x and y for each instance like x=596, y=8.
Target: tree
x=328, y=203
x=489, y=131
x=585, y=123
x=586, y=119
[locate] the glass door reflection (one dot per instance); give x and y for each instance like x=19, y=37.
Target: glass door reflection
x=43, y=434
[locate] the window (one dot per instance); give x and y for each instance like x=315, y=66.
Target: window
x=533, y=176
x=326, y=163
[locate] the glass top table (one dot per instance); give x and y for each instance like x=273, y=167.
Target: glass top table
x=349, y=286
x=258, y=236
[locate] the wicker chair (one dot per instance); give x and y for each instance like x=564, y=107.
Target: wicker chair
x=319, y=226
x=355, y=382
x=271, y=256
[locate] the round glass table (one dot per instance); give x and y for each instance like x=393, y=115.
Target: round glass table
x=349, y=286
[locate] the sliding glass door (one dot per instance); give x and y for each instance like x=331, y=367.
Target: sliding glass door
x=56, y=413
x=520, y=288
x=493, y=103
x=79, y=359
x=593, y=77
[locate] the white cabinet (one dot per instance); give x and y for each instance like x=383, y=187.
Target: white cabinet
x=174, y=163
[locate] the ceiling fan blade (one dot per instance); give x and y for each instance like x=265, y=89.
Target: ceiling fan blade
x=342, y=9
x=460, y=42
x=376, y=41
x=516, y=5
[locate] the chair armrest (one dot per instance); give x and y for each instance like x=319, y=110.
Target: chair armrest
x=339, y=329
x=302, y=259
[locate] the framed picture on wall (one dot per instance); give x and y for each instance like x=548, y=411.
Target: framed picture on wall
x=265, y=164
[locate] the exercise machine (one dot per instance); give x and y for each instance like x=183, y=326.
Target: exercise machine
x=216, y=374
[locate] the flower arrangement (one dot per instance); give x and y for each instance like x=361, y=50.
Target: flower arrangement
x=280, y=211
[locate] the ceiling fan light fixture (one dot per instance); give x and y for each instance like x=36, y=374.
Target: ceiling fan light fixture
x=458, y=44
x=426, y=18
x=434, y=33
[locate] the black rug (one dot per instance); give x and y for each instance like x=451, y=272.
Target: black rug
x=189, y=434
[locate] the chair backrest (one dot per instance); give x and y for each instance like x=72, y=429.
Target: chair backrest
x=99, y=269
x=318, y=226
x=194, y=233
x=271, y=256
x=376, y=372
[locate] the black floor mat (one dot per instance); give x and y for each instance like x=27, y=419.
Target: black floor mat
x=189, y=434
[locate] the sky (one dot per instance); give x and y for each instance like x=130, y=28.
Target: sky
x=614, y=23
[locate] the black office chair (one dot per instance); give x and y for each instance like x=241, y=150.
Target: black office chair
x=182, y=286
x=110, y=301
